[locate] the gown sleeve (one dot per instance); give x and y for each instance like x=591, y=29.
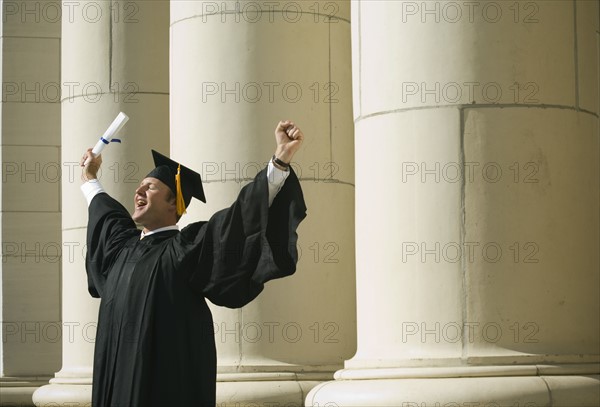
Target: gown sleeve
x=249, y=243
x=109, y=226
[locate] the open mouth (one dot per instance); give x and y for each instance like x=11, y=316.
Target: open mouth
x=140, y=203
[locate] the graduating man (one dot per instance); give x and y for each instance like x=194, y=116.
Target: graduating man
x=155, y=343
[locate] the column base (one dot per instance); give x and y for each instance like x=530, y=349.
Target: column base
x=69, y=387
x=266, y=389
x=489, y=386
x=233, y=389
x=75, y=395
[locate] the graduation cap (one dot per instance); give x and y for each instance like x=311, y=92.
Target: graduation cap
x=184, y=183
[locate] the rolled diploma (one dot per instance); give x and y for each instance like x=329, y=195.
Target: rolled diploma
x=113, y=129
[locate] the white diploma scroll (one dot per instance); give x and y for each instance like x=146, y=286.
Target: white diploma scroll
x=108, y=135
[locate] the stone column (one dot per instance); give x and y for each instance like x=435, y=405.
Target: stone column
x=30, y=198
x=477, y=228
x=114, y=58
x=237, y=68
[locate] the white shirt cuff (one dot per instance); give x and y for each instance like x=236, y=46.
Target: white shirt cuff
x=275, y=180
x=90, y=189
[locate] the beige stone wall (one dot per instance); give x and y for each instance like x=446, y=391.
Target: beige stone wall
x=31, y=203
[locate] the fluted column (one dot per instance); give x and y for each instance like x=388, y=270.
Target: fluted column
x=237, y=68
x=477, y=205
x=114, y=58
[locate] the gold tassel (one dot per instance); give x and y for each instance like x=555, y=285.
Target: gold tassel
x=180, y=201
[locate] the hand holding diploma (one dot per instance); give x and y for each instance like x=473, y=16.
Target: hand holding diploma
x=90, y=170
x=108, y=135
x=92, y=160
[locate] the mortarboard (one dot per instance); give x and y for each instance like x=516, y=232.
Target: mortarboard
x=184, y=183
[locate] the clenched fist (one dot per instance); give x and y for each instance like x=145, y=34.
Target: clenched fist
x=289, y=138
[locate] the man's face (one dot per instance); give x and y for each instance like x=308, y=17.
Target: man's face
x=153, y=209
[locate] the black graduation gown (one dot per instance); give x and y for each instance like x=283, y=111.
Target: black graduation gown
x=155, y=343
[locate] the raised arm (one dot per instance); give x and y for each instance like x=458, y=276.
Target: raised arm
x=254, y=240
x=109, y=225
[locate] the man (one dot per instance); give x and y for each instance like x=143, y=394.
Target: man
x=155, y=343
